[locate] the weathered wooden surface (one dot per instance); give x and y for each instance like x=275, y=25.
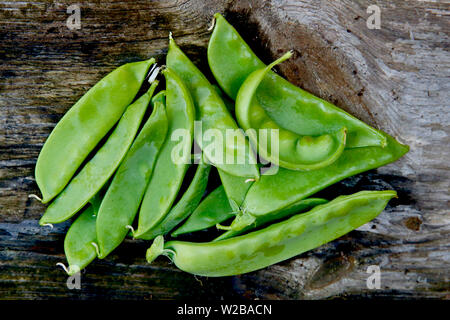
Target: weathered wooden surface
x=395, y=78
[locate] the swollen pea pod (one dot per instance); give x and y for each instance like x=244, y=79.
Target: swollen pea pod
x=84, y=125
x=122, y=199
x=286, y=149
x=275, y=192
x=185, y=206
x=234, y=155
x=298, y=207
x=78, y=243
x=231, y=61
x=101, y=167
x=214, y=209
x=278, y=242
x=173, y=159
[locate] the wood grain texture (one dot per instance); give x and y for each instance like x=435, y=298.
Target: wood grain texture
x=395, y=78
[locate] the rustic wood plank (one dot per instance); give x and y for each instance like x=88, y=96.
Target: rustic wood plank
x=395, y=78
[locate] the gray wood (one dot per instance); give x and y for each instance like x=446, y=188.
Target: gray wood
x=395, y=78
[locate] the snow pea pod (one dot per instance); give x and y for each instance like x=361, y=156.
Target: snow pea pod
x=122, y=199
x=298, y=207
x=274, y=192
x=78, y=246
x=101, y=167
x=236, y=156
x=79, y=243
x=227, y=101
x=169, y=172
x=231, y=61
x=235, y=188
x=278, y=242
x=214, y=209
x=293, y=151
x=185, y=206
x=84, y=125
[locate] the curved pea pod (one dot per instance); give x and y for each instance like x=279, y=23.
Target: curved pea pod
x=101, y=167
x=185, y=206
x=78, y=243
x=84, y=125
x=282, y=147
x=174, y=158
x=274, y=192
x=278, y=242
x=214, y=209
x=256, y=222
x=231, y=61
x=122, y=199
x=228, y=150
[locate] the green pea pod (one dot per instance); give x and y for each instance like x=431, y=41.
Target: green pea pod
x=231, y=61
x=214, y=209
x=169, y=171
x=235, y=187
x=236, y=156
x=160, y=97
x=78, y=243
x=278, y=242
x=185, y=206
x=275, y=192
x=84, y=125
x=96, y=200
x=256, y=222
x=122, y=199
x=287, y=149
x=101, y=167
x=227, y=101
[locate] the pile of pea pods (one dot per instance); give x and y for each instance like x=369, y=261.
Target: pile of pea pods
x=116, y=170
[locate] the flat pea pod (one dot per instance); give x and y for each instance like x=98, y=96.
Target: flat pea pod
x=78, y=246
x=278, y=242
x=231, y=61
x=124, y=195
x=101, y=167
x=185, y=206
x=274, y=192
x=171, y=165
x=81, y=238
x=287, y=149
x=227, y=101
x=256, y=222
x=235, y=188
x=214, y=209
x=234, y=155
x=84, y=125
